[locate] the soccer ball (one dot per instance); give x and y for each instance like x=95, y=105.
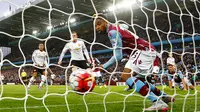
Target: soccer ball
x=81, y=81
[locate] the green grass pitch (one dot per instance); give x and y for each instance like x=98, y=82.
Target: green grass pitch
x=113, y=101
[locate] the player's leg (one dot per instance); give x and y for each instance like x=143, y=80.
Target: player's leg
x=188, y=83
x=49, y=71
x=52, y=75
x=191, y=87
x=142, y=89
x=43, y=77
x=131, y=67
x=32, y=79
x=31, y=82
x=24, y=79
x=97, y=80
x=103, y=82
x=127, y=74
x=173, y=83
x=154, y=89
x=179, y=85
x=142, y=64
x=52, y=81
x=43, y=80
x=151, y=86
x=158, y=92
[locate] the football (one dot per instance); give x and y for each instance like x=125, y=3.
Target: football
x=81, y=81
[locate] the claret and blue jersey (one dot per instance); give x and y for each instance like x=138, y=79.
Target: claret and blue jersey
x=177, y=76
x=124, y=38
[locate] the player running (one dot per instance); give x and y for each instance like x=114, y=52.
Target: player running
x=39, y=58
x=140, y=63
x=76, y=47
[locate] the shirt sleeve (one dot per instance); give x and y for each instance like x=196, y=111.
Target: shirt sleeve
x=123, y=26
x=180, y=74
x=168, y=75
x=45, y=62
x=85, y=51
x=64, y=51
x=116, y=41
x=33, y=57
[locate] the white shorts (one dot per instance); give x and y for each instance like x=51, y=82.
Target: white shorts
x=188, y=83
x=97, y=74
x=141, y=62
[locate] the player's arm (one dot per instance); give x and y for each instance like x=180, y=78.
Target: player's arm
x=116, y=41
x=169, y=79
x=124, y=26
x=182, y=79
x=50, y=71
x=86, y=53
x=184, y=84
x=45, y=60
x=63, y=54
x=170, y=82
x=33, y=58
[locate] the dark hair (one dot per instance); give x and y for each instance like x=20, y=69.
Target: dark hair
x=75, y=32
x=170, y=64
x=100, y=16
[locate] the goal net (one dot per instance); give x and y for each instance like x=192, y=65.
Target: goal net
x=171, y=26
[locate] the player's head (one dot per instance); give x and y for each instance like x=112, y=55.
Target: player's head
x=41, y=47
x=74, y=36
x=101, y=22
x=171, y=67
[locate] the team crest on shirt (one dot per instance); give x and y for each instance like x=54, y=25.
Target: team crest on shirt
x=79, y=44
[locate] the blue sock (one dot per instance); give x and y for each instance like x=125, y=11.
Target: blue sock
x=155, y=90
x=141, y=88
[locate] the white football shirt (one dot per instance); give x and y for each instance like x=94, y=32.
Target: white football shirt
x=76, y=49
x=39, y=58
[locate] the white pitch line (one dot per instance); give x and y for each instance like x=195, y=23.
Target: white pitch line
x=115, y=102
x=96, y=103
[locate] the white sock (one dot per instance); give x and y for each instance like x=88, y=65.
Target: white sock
x=31, y=82
x=51, y=82
x=43, y=79
x=41, y=83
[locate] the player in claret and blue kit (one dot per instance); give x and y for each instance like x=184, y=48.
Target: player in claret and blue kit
x=143, y=58
x=176, y=78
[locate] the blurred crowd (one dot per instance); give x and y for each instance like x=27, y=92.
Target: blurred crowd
x=173, y=28
x=188, y=63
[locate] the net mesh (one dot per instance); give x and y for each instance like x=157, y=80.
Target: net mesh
x=162, y=22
